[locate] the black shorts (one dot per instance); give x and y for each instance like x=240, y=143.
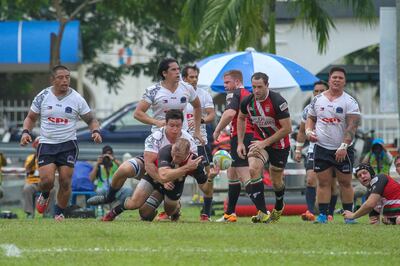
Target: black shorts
x=237, y=161
x=65, y=153
x=205, y=151
x=174, y=194
x=324, y=158
x=309, y=164
x=278, y=157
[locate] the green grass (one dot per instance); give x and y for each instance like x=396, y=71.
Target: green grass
x=128, y=241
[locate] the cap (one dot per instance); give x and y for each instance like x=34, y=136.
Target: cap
x=363, y=166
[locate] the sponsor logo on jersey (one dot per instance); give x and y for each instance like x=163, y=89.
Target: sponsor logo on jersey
x=58, y=105
x=183, y=99
x=373, y=180
x=321, y=108
x=58, y=120
x=267, y=109
x=165, y=101
x=49, y=107
x=68, y=110
x=283, y=106
x=339, y=110
x=331, y=120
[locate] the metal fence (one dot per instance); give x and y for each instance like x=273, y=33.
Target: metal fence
x=385, y=126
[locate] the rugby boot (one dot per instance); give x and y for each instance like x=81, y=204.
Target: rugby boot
x=275, y=215
x=321, y=219
x=261, y=217
x=110, y=216
x=229, y=218
x=42, y=203
x=204, y=218
x=308, y=216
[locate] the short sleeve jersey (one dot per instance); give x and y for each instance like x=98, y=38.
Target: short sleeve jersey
x=58, y=118
x=233, y=102
x=162, y=99
x=165, y=160
x=265, y=116
x=158, y=140
x=331, y=118
x=206, y=101
x=389, y=189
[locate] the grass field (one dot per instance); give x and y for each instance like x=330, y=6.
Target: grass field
x=128, y=241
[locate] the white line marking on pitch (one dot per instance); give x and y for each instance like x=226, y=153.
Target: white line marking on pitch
x=12, y=250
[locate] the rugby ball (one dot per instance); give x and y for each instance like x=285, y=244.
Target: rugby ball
x=223, y=159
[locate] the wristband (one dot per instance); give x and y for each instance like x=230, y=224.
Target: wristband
x=202, y=121
x=96, y=131
x=309, y=132
x=26, y=131
x=299, y=144
x=343, y=146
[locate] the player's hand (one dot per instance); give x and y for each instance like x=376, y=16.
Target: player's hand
x=214, y=171
x=340, y=155
x=191, y=124
x=192, y=164
x=258, y=144
x=25, y=139
x=297, y=156
x=241, y=150
x=169, y=186
x=97, y=137
x=160, y=123
x=348, y=215
x=197, y=135
x=216, y=135
x=374, y=220
x=311, y=136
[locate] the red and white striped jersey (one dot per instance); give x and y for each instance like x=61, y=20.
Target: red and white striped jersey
x=265, y=116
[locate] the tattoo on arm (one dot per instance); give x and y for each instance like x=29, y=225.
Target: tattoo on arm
x=88, y=118
x=313, y=118
x=353, y=122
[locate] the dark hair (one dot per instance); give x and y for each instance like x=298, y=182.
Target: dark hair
x=321, y=82
x=164, y=65
x=365, y=166
x=260, y=75
x=339, y=69
x=235, y=74
x=107, y=148
x=173, y=114
x=58, y=67
x=185, y=70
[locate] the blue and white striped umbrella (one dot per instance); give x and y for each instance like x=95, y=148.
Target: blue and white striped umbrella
x=282, y=72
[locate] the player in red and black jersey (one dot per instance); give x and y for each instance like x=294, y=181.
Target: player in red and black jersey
x=238, y=173
x=269, y=114
x=382, y=189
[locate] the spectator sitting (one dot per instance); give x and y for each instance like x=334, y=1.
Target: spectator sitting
x=103, y=172
x=32, y=185
x=397, y=164
x=379, y=159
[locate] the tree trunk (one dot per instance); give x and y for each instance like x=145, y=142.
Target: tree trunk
x=55, y=44
x=271, y=26
x=398, y=58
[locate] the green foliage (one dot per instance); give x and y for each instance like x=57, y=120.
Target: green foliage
x=128, y=241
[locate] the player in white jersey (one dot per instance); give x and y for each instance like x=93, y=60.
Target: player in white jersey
x=59, y=108
x=190, y=75
x=319, y=87
x=332, y=122
x=169, y=93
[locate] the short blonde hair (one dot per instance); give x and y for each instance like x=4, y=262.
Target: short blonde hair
x=235, y=74
x=181, y=145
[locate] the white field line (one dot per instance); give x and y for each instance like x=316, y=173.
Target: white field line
x=13, y=251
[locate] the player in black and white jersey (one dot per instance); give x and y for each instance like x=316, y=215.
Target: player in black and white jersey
x=59, y=108
x=190, y=75
x=169, y=93
x=332, y=122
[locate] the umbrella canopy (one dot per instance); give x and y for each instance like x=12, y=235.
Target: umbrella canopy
x=282, y=72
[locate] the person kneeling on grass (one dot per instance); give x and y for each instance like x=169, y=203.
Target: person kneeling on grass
x=175, y=162
x=383, y=194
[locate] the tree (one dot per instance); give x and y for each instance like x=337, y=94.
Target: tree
x=222, y=23
x=152, y=24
